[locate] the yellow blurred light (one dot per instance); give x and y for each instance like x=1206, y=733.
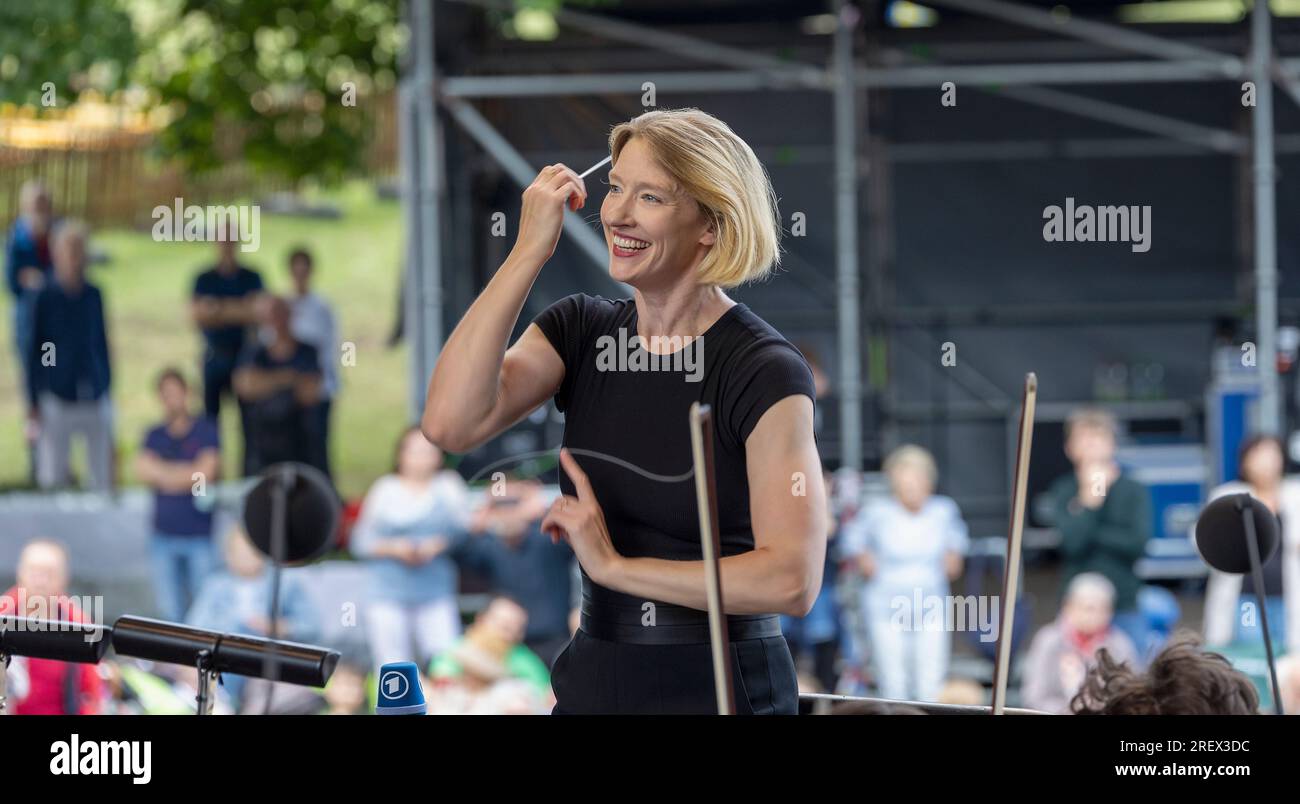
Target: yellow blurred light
x=905, y=14
x=1202, y=11
x=535, y=25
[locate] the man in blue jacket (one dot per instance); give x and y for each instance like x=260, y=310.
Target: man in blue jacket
x=28, y=266
x=68, y=367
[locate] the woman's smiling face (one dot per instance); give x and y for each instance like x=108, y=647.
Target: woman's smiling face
x=654, y=231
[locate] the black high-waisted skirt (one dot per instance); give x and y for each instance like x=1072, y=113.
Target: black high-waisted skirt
x=602, y=676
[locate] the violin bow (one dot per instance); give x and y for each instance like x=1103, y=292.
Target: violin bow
x=706, y=497
x=1011, y=573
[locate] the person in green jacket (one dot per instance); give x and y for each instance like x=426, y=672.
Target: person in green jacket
x=1102, y=514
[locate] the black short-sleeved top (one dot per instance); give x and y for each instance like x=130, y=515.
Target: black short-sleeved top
x=640, y=418
x=236, y=285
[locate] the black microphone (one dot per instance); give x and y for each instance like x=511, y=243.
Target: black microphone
x=159, y=641
x=292, y=517
x=1221, y=533
x=241, y=655
x=82, y=643
x=299, y=499
x=295, y=663
x=1238, y=534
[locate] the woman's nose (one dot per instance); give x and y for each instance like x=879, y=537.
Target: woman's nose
x=616, y=210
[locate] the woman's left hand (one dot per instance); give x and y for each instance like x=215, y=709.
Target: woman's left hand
x=581, y=522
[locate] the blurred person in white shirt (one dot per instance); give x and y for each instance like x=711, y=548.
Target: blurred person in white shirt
x=908, y=547
x=411, y=522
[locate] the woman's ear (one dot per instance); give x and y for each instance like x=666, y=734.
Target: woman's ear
x=710, y=235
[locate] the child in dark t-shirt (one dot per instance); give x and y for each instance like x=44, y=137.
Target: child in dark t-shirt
x=180, y=459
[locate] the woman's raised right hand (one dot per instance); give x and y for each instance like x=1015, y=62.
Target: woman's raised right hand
x=542, y=216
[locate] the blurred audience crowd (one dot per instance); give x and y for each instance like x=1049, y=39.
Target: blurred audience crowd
x=884, y=623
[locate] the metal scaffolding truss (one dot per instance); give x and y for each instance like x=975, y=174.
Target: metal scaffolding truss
x=842, y=76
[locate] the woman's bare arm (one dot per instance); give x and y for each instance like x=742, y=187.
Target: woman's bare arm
x=479, y=387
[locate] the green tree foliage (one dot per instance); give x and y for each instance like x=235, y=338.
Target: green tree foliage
x=277, y=77
x=73, y=45
x=263, y=81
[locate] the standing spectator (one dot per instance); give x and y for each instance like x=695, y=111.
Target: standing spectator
x=1103, y=515
x=28, y=267
x=52, y=687
x=224, y=307
x=1228, y=596
x=278, y=383
x=409, y=521
x=1062, y=652
x=178, y=460
x=312, y=322
x=522, y=563
x=908, y=546
x=69, y=367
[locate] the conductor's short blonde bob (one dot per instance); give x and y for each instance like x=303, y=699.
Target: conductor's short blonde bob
x=712, y=165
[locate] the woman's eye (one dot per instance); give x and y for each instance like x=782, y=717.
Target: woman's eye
x=649, y=197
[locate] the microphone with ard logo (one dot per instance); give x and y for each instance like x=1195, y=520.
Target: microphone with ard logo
x=399, y=690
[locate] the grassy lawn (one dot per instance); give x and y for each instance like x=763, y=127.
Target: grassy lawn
x=147, y=284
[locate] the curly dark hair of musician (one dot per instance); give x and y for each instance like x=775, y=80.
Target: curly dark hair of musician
x=1183, y=679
